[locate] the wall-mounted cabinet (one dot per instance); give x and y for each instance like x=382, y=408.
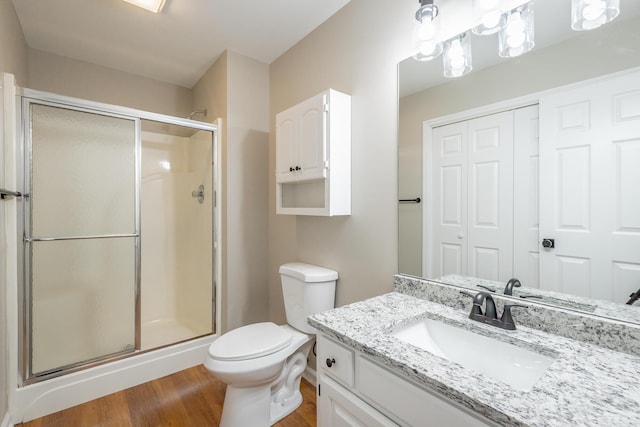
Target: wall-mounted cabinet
x=313, y=156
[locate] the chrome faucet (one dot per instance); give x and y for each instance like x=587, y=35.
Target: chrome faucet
x=490, y=314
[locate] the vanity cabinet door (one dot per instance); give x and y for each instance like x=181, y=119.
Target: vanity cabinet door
x=337, y=407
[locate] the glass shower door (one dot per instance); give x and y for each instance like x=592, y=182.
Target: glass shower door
x=81, y=236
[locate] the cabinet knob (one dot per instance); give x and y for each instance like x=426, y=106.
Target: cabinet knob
x=330, y=362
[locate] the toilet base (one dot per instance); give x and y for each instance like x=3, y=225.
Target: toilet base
x=265, y=405
x=246, y=406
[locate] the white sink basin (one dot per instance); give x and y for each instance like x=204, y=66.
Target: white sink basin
x=516, y=366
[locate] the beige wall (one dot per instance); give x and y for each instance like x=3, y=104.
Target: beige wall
x=58, y=74
x=356, y=52
x=13, y=59
x=236, y=88
x=247, y=190
x=582, y=57
x=13, y=47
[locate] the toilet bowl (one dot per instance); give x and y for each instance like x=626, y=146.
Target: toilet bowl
x=262, y=363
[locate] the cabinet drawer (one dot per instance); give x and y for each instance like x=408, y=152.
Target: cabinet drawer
x=410, y=404
x=335, y=360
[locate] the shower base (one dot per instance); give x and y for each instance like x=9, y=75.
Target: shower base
x=158, y=333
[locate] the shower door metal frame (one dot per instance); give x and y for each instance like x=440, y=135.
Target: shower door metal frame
x=24, y=99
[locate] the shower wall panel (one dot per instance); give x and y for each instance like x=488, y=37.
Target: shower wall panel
x=177, y=238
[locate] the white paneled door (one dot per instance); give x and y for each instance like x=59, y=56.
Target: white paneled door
x=449, y=174
x=472, y=182
x=590, y=175
x=526, y=209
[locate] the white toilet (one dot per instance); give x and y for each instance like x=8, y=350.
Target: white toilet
x=262, y=363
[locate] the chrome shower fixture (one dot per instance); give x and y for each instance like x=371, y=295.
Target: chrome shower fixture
x=199, y=193
x=193, y=113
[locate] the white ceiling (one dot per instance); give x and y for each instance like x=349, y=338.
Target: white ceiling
x=552, y=24
x=176, y=46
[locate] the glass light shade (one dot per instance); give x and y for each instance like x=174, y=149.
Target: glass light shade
x=457, y=55
x=425, y=34
x=489, y=18
x=154, y=6
x=517, y=37
x=590, y=14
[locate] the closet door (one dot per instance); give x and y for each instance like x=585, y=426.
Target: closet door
x=490, y=197
x=449, y=199
x=526, y=195
x=589, y=156
x=472, y=181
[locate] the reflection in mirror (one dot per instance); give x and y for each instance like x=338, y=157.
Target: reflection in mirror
x=493, y=96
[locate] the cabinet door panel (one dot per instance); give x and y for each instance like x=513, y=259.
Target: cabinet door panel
x=312, y=134
x=286, y=149
x=337, y=407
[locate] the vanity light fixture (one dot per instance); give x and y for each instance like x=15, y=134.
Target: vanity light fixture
x=457, y=55
x=514, y=26
x=154, y=6
x=425, y=33
x=590, y=14
x=516, y=38
x=489, y=17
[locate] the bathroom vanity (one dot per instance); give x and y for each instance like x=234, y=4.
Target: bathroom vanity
x=370, y=374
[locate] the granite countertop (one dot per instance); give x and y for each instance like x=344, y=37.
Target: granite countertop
x=585, y=385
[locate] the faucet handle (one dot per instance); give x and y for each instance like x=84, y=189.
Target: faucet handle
x=507, y=319
x=489, y=288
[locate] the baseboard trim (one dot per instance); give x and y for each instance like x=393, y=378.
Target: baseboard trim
x=309, y=374
x=6, y=421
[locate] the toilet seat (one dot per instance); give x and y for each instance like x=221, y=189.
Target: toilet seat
x=250, y=342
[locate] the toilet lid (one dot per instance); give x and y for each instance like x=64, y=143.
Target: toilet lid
x=249, y=342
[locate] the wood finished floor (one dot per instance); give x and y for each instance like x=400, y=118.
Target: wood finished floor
x=192, y=397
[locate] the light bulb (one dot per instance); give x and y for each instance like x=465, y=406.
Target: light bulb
x=427, y=48
x=594, y=10
x=457, y=56
x=516, y=24
x=590, y=14
x=517, y=37
x=488, y=17
x=427, y=29
x=425, y=34
x=516, y=40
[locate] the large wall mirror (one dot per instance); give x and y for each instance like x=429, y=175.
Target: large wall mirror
x=569, y=81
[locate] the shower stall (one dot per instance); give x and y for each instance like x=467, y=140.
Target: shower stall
x=118, y=240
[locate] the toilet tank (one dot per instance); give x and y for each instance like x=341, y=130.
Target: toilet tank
x=307, y=289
